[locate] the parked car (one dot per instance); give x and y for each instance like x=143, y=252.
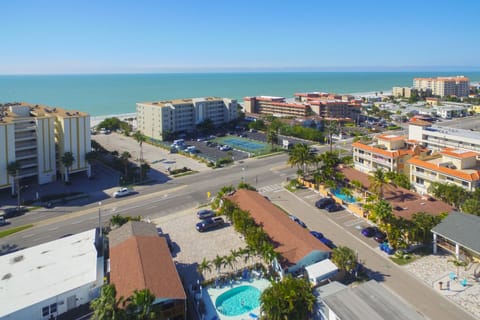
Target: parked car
x=3, y=221
x=334, y=207
x=205, y=213
x=321, y=238
x=122, y=192
x=224, y=148
x=380, y=236
x=300, y=222
x=370, y=231
x=322, y=203
x=210, y=224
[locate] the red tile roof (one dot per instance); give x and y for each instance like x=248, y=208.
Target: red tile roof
x=472, y=175
x=387, y=153
x=460, y=154
x=145, y=262
x=292, y=241
x=409, y=201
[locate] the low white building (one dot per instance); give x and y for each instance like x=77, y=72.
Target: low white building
x=321, y=271
x=50, y=279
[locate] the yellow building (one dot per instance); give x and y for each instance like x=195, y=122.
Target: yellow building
x=37, y=137
x=387, y=152
x=454, y=166
x=444, y=86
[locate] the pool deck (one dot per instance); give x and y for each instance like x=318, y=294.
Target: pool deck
x=211, y=294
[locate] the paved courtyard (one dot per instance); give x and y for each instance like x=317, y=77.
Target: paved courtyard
x=190, y=247
x=434, y=269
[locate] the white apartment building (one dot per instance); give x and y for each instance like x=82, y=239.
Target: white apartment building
x=155, y=119
x=438, y=138
x=37, y=137
x=449, y=166
x=444, y=86
x=45, y=281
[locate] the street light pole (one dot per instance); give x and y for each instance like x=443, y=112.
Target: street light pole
x=100, y=218
x=243, y=175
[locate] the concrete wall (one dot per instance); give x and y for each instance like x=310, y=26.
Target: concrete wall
x=7, y=152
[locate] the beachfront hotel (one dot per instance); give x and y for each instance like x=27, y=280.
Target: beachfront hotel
x=438, y=138
x=444, y=86
x=449, y=166
x=156, y=119
x=387, y=152
x=305, y=104
x=37, y=137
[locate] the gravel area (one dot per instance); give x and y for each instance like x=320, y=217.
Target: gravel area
x=191, y=246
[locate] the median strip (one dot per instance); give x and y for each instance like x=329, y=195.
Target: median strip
x=14, y=230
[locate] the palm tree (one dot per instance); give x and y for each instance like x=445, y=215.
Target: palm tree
x=378, y=181
x=291, y=298
x=272, y=137
x=229, y=261
x=90, y=157
x=344, y=258
x=205, y=265
x=107, y=306
x=301, y=155
x=141, y=305
x=124, y=158
x=67, y=161
x=140, y=138
x=235, y=254
x=218, y=262
x=13, y=168
x=382, y=212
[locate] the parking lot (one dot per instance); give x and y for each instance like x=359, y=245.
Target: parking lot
x=190, y=247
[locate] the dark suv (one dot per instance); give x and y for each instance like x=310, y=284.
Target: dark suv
x=324, y=202
x=210, y=224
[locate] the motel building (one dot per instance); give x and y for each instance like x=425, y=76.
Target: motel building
x=454, y=166
x=387, y=152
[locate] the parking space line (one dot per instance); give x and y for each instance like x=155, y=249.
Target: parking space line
x=310, y=196
x=351, y=223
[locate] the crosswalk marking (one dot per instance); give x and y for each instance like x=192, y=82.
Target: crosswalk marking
x=270, y=188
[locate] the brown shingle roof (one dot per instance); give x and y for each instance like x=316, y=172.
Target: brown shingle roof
x=407, y=202
x=130, y=229
x=292, y=241
x=141, y=262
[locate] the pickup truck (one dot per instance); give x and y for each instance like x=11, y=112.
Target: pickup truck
x=210, y=224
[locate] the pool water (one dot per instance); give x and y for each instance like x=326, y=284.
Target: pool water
x=238, y=300
x=338, y=193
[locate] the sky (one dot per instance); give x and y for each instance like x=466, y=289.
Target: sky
x=121, y=36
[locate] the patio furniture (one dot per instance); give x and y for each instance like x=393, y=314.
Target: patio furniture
x=463, y=282
x=453, y=276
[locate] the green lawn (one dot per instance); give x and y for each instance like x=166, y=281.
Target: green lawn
x=14, y=230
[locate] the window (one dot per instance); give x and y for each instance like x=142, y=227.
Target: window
x=53, y=308
x=45, y=311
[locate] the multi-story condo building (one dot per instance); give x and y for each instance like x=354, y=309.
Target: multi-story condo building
x=156, y=119
x=403, y=92
x=453, y=166
x=438, y=138
x=276, y=106
x=307, y=104
x=37, y=137
x=387, y=152
x=444, y=86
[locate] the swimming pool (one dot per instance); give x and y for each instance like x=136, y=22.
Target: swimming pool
x=238, y=300
x=347, y=198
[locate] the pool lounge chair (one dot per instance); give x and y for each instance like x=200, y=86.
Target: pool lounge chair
x=253, y=315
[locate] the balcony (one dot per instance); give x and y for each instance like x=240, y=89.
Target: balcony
x=25, y=145
x=427, y=176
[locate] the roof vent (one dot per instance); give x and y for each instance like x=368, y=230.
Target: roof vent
x=17, y=258
x=7, y=276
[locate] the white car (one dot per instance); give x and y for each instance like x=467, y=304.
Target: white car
x=122, y=192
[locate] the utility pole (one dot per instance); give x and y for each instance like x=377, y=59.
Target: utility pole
x=100, y=218
x=18, y=190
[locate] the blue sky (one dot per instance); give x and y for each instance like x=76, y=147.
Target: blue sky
x=105, y=36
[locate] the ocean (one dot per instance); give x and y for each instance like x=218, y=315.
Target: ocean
x=109, y=94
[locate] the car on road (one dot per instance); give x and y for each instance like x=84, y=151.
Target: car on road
x=370, y=231
x=322, y=203
x=380, y=236
x=334, y=207
x=321, y=238
x=205, y=213
x=210, y=224
x=122, y=192
x=300, y=222
x=3, y=221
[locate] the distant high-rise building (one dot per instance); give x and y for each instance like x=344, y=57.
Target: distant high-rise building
x=37, y=137
x=444, y=86
x=156, y=119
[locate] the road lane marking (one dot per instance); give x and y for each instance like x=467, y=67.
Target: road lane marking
x=27, y=236
x=53, y=229
x=152, y=207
